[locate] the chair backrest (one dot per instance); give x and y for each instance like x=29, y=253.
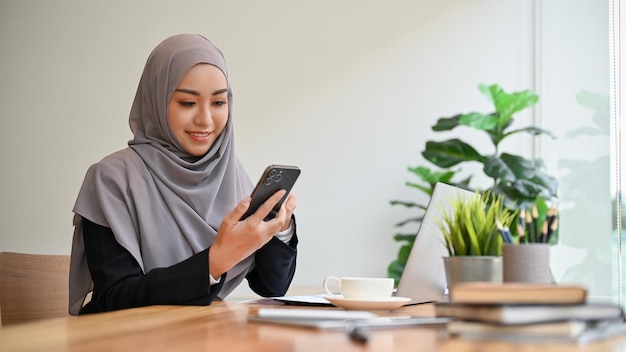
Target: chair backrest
x=33, y=286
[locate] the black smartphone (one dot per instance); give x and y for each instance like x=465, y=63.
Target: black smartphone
x=273, y=179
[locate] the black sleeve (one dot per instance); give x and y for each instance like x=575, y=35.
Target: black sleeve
x=275, y=265
x=120, y=283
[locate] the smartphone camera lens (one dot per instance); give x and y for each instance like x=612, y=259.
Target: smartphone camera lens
x=278, y=177
x=268, y=181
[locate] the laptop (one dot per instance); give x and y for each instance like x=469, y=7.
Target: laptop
x=424, y=278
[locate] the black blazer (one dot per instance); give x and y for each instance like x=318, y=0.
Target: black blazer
x=120, y=283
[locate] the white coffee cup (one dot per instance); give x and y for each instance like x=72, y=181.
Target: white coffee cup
x=360, y=288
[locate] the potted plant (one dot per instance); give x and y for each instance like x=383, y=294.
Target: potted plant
x=522, y=182
x=474, y=232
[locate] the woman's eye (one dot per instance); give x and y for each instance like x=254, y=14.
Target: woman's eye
x=187, y=103
x=220, y=103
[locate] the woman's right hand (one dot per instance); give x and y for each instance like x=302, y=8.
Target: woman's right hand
x=237, y=239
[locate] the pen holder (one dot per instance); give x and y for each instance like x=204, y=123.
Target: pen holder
x=472, y=268
x=528, y=262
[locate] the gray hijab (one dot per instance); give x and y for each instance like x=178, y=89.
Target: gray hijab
x=162, y=204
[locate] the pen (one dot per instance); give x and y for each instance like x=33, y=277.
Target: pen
x=357, y=334
x=544, y=232
x=522, y=219
x=536, y=224
x=504, y=231
x=520, y=233
x=553, y=227
x=529, y=227
x=521, y=226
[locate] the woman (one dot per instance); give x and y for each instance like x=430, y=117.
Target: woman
x=158, y=222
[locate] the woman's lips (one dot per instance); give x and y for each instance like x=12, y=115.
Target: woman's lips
x=199, y=136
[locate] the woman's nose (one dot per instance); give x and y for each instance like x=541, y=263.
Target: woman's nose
x=204, y=116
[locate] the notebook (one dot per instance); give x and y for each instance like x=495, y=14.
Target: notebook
x=424, y=279
x=517, y=293
x=512, y=314
x=574, y=331
x=338, y=319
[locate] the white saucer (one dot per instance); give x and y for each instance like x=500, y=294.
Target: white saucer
x=359, y=304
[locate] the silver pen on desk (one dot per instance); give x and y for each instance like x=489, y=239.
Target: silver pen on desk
x=357, y=334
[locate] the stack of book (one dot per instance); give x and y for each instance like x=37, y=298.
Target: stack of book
x=529, y=312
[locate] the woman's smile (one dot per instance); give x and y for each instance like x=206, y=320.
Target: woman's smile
x=199, y=136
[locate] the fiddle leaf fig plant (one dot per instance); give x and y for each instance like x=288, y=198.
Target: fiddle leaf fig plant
x=520, y=181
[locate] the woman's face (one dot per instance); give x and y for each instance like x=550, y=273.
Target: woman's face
x=198, y=110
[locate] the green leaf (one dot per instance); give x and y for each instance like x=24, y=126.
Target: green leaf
x=522, y=192
x=520, y=177
x=508, y=104
x=446, y=123
x=451, y=152
x=417, y=219
x=479, y=121
x=407, y=204
x=432, y=177
x=403, y=254
x=510, y=169
x=497, y=169
x=394, y=271
x=486, y=90
x=497, y=134
x=402, y=237
x=520, y=166
x=426, y=189
x=548, y=183
x=513, y=197
x=468, y=222
x=535, y=131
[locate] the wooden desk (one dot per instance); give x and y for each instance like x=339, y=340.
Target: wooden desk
x=223, y=326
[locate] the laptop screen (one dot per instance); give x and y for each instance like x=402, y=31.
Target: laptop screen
x=423, y=279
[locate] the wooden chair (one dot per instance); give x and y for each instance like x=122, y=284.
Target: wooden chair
x=33, y=286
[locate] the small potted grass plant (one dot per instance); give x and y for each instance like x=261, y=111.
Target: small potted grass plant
x=475, y=231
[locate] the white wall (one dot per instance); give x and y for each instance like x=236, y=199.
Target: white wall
x=347, y=90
